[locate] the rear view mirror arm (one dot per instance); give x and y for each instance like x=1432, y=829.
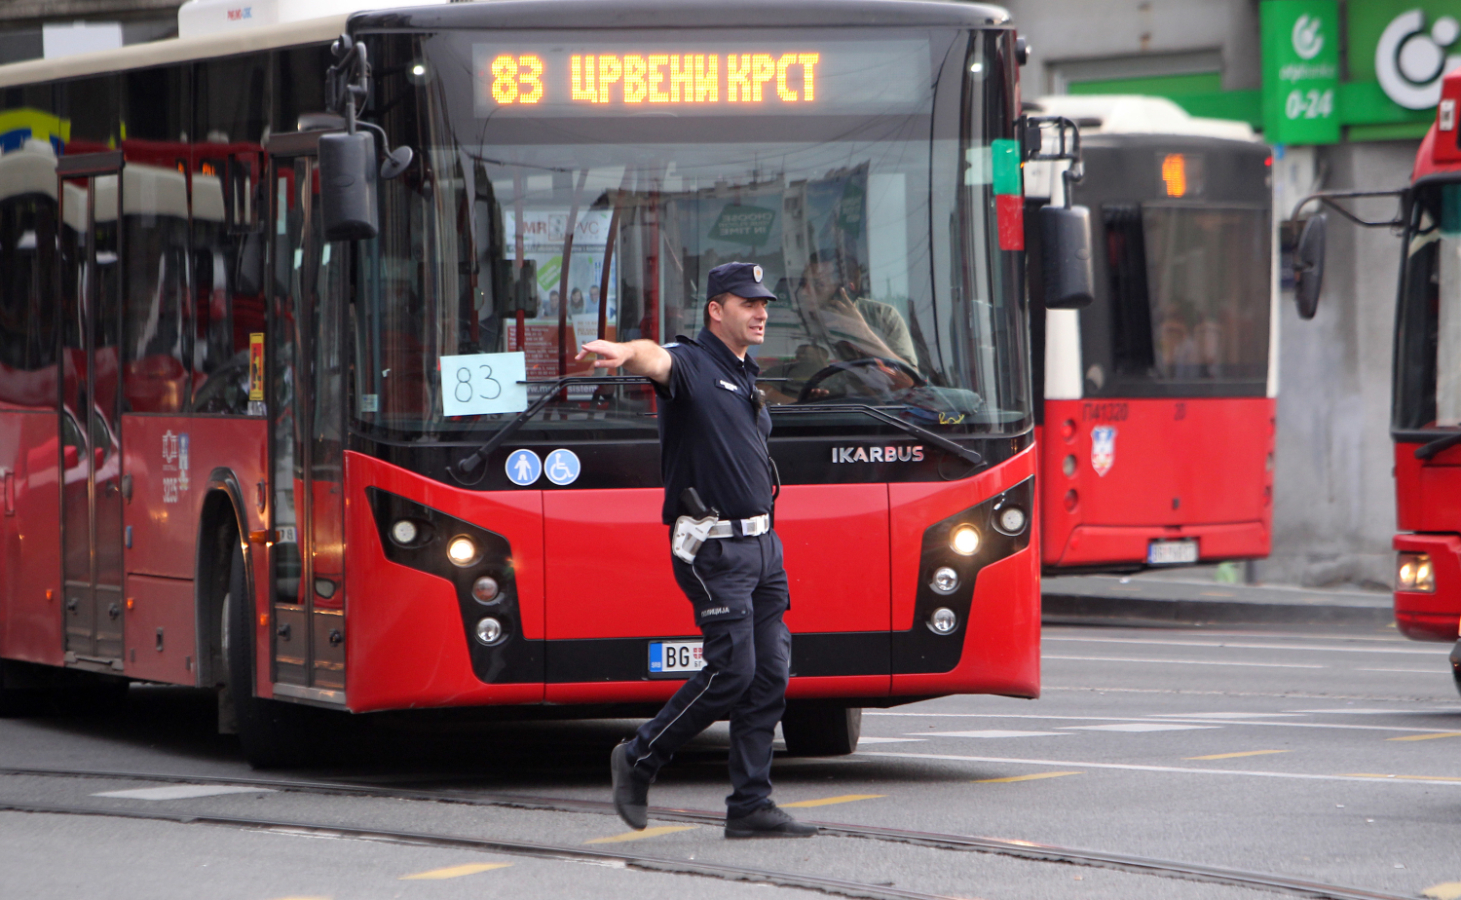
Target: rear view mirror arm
x=1329, y=198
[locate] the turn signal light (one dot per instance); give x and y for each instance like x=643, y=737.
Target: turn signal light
x=1413, y=572
x=484, y=589
x=943, y=621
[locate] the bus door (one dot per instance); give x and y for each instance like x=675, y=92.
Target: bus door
x=305, y=394
x=90, y=288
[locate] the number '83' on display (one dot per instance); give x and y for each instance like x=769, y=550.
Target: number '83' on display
x=482, y=383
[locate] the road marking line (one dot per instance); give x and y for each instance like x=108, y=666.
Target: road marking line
x=1450, y=890
x=1140, y=727
x=641, y=835
x=1236, y=755
x=1173, y=718
x=1405, y=671
x=184, y=792
x=829, y=801
x=1180, y=770
x=1186, y=662
x=1227, y=645
x=1424, y=710
x=994, y=733
x=1224, y=715
x=655, y=832
x=453, y=872
x=1426, y=778
x=1014, y=778
x=1425, y=737
x=888, y=740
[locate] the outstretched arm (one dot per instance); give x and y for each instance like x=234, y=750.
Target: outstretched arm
x=641, y=357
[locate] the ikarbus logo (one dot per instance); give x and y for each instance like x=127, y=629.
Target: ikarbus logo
x=890, y=453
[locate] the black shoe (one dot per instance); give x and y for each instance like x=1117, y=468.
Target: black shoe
x=768, y=822
x=631, y=793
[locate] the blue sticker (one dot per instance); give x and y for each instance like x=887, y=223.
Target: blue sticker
x=524, y=467
x=656, y=657
x=562, y=467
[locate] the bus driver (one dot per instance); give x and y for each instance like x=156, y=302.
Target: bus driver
x=713, y=431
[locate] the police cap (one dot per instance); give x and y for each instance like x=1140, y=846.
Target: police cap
x=739, y=278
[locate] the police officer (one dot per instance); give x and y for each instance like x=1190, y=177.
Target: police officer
x=713, y=431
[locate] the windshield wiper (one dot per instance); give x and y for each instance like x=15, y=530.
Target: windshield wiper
x=469, y=463
x=1439, y=445
x=882, y=415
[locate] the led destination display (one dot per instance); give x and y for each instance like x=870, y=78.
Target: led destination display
x=887, y=76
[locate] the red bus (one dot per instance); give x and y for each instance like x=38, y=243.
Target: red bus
x=1426, y=391
x=1170, y=374
x=364, y=475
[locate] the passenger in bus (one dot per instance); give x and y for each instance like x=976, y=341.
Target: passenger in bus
x=713, y=433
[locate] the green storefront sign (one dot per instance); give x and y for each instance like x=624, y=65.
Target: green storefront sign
x=1300, y=71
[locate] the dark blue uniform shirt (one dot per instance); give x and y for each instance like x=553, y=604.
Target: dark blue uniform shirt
x=712, y=434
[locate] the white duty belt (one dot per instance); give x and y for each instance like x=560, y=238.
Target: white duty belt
x=756, y=525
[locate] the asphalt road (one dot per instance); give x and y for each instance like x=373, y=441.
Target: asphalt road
x=1331, y=756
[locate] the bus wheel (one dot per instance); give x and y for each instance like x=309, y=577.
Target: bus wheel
x=272, y=734
x=821, y=728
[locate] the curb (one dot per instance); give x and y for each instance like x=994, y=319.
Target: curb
x=1099, y=600
x=1075, y=609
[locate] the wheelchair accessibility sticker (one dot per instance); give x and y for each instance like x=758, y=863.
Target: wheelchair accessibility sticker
x=523, y=467
x=562, y=467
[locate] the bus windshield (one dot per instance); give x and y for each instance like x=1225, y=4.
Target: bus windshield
x=1428, y=346
x=552, y=202
x=1187, y=264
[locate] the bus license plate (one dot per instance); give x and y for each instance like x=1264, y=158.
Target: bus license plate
x=676, y=657
x=1171, y=553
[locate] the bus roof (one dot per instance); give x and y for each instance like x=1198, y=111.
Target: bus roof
x=1136, y=114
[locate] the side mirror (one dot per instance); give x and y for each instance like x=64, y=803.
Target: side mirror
x=1309, y=265
x=1065, y=243
x=347, y=186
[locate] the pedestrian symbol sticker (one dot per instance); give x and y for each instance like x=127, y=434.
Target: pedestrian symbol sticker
x=524, y=467
x=562, y=467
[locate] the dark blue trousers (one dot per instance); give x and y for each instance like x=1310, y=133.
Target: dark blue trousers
x=739, y=590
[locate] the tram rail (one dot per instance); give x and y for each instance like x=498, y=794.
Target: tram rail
x=1028, y=850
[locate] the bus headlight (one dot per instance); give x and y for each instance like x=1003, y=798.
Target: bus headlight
x=484, y=589
x=462, y=551
x=405, y=532
x=945, y=580
x=1010, y=520
x=964, y=540
x=1413, y=572
x=943, y=621
x=489, y=631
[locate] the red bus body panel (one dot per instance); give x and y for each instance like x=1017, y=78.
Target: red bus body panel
x=1428, y=500
x=405, y=645
x=30, y=537
x=1158, y=483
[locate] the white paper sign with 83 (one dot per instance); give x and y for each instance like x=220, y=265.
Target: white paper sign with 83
x=483, y=383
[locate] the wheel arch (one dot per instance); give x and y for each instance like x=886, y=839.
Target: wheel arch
x=223, y=508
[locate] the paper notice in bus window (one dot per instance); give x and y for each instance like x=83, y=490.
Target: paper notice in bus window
x=256, y=366
x=477, y=384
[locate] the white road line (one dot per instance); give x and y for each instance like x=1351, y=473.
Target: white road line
x=1436, y=671
x=183, y=792
x=1229, y=645
x=1172, y=718
x=1139, y=727
x=888, y=740
x=1408, y=711
x=1180, y=770
x=1186, y=662
x=1224, y=715
x=994, y=733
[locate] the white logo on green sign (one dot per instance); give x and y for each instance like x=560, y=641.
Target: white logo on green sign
x=1409, y=61
x=1308, y=39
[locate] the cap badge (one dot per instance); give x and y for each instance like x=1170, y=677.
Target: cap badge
x=756, y=273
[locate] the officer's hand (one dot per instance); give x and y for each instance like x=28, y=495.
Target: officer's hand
x=610, y=354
